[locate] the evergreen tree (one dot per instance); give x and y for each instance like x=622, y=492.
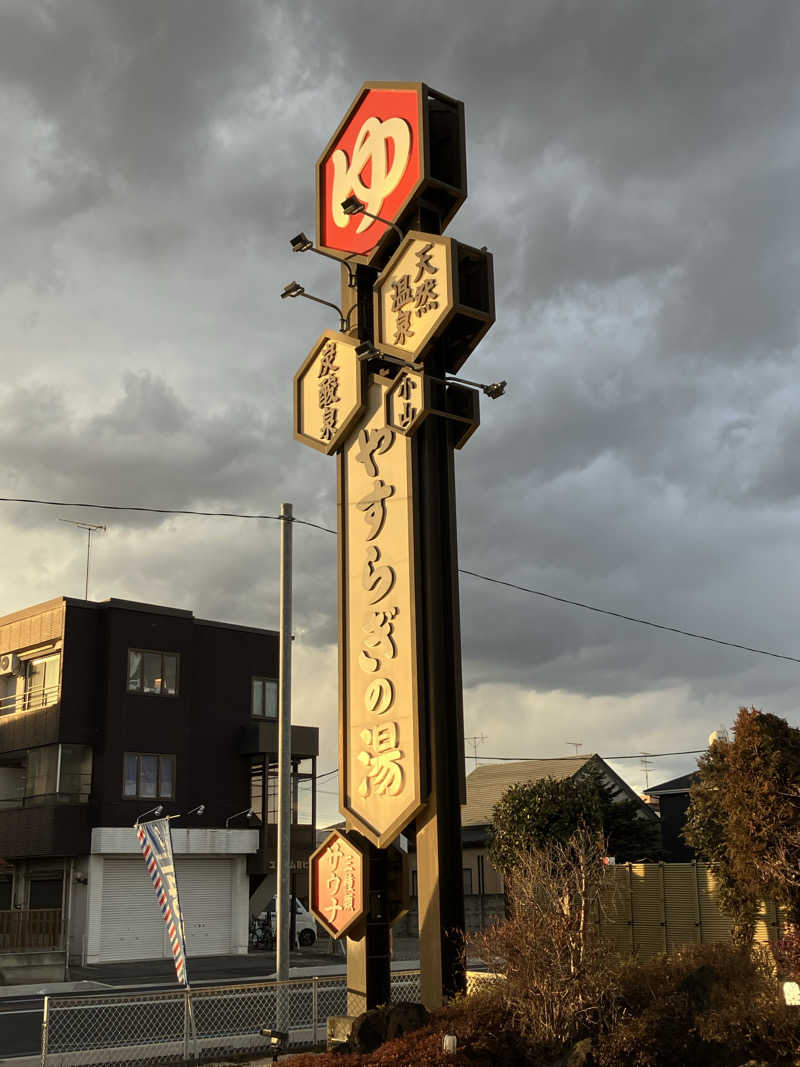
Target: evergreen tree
x=744, y=817
x=549, y=811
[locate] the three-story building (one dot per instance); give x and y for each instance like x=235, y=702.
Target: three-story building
x=111, y=710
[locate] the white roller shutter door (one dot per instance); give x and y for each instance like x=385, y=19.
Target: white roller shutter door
x=205, y=886
x=131, y=927
x=131, y=924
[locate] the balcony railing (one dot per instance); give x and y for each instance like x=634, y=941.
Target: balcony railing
x=30, y=700
x=74, y=791
x=30, y=928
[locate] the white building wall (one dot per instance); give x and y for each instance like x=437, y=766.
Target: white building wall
x=78, y=911
x=240, y=907
x=94, y=907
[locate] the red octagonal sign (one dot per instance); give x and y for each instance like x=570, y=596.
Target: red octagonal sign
x=396, y=141
x=337, y=882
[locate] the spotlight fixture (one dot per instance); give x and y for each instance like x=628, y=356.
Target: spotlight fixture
x=245, y=811
x=353, y=206
x=366, y=350
x=276, y=1041
x=157, y=810
x=294, y=289
x=302, y=243
x=495, y=390
x=199, y=810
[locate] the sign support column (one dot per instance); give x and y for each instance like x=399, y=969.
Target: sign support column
x=369, y=956
x=439, y=852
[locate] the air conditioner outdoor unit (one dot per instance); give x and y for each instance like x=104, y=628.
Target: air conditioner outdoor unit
x=9, y=664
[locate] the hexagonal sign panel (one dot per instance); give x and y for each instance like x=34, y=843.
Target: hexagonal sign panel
x=328, y=392
x=433, y=287
x=408, y=402
x=387, y=152
x=337, y=881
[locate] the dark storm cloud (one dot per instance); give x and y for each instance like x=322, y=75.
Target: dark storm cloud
x=148, y=447
x=634, y=169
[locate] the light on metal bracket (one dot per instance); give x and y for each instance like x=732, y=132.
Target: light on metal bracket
x=301, y=243
x=368, y=351
x=294, y=289
x=353, y=206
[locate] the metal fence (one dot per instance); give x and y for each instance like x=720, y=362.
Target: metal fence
x=171, y=1026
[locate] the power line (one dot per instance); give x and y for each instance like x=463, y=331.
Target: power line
x=462, y=570
x=628, y=618
x=524, y=759
x=131, y=507
x=638, y=755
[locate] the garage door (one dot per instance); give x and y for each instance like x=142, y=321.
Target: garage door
x=205, y=886
x=131, y=927
x=131, y=923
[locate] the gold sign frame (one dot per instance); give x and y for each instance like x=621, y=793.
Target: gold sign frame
x=381, y=731
x=464, y=309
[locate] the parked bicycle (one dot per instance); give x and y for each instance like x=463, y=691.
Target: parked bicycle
x=261, y=935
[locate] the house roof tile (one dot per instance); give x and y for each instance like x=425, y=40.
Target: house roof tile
x=487, y=783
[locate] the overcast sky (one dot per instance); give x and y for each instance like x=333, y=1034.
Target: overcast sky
x=634, y=169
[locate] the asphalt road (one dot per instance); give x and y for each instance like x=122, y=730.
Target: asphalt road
x=20, y=1026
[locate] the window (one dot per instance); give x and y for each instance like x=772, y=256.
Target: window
x=265, y=698
x=45, y=892
x=467, y=876
x=48, y=774
x=152, y=673
x=41, y=681
x=148, y=776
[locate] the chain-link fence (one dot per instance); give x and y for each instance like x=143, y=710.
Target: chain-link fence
x=172, y=1026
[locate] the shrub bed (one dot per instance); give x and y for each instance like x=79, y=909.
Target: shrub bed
x=708, y=1006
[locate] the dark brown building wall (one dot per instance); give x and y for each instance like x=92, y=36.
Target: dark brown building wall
x=201, y=726
x=82, y=674
x=134, y=722
x=226, y=659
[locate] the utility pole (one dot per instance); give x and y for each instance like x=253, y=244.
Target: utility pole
x=282, y=907
x=90, y=527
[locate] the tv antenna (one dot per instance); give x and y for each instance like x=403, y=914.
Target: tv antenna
x=478, y=739
x=646, y=766
x=575, y=744
x=90, y=527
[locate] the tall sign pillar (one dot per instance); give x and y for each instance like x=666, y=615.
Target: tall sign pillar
x=415, y=304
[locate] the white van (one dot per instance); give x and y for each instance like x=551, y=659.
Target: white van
x=305, y=924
